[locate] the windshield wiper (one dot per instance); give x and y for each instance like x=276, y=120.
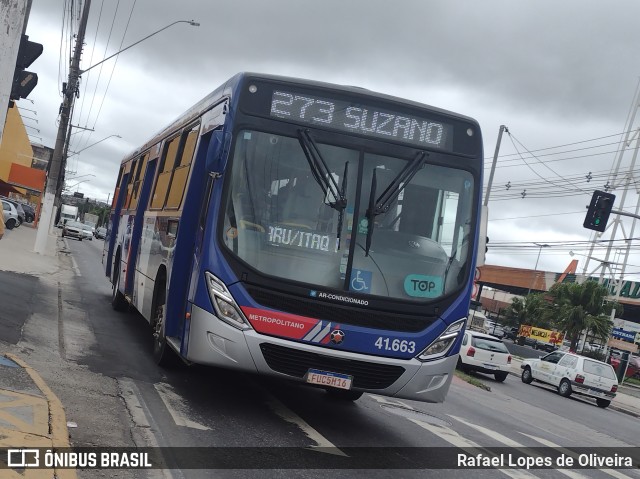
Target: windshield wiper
x=383, y=203
x=323, y=176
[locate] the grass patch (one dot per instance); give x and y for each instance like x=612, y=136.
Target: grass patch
x=633, y=381
x=472, y=380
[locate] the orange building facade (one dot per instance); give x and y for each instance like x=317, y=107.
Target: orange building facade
x=18, y=179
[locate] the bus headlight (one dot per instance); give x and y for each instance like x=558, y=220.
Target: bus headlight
x=226, y=308
x=443, y=343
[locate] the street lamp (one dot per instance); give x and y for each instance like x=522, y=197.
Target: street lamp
x=56, y=163
x=535, y=268
x=69, y=188
x=80, y=176
x=190, y=22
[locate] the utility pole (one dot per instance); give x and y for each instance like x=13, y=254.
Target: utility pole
x=493, y=165
x=69, y=94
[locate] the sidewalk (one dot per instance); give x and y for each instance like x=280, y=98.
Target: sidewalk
x=627, y=399
x=31, y=416
x=17, y=254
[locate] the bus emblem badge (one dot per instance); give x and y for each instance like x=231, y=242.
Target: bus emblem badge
x=337, y=336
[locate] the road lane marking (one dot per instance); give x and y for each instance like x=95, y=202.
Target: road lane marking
x=73, y=260
x=568, y=452
x=453, y=438
x=173, y=402
x=322, y=443
x=511, y=443
x=142, y=418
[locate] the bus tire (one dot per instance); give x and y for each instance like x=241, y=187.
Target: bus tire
x=118, y=301
x=344, y=394
x=163, y=355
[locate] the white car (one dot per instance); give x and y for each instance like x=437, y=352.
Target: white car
x=10, y=215
x=571, y=373
x=484, y=353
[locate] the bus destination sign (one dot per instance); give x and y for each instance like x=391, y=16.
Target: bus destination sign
x=352, y=117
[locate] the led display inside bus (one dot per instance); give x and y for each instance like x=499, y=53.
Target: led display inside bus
x=363, y=119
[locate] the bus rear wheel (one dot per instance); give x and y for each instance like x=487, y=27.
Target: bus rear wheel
x=163, y=355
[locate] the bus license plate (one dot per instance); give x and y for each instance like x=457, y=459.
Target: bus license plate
x=329, y=379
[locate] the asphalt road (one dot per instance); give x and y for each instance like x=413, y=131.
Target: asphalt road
x=100, y=366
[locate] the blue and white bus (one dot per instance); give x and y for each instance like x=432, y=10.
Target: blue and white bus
x=322, y=233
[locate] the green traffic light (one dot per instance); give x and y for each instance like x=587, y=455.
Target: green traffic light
x=597, y=221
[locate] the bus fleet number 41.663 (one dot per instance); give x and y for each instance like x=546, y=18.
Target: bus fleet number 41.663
x=403, y=345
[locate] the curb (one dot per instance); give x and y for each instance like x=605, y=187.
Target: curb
x=57, y=418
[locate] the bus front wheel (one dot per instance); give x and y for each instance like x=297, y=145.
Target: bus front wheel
x=163, y=355
x=118, y=301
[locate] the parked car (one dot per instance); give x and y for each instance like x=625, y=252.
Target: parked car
x=484, y=353
x=633, y=369
x=548, y=347
x=10, y=215
x=497, y=331
x=101, y=233
x=88, y=232
x=29, y=213
x=573, y=374
x=18, y=208
x=73, y=229
x=535, y=344
x=511, y=333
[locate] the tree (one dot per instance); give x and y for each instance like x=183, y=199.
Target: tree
x=527, y=310
x=577, y=307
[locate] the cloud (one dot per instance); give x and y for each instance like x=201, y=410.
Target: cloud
x=553, y=72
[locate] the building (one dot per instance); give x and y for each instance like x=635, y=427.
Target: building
x=22, y=165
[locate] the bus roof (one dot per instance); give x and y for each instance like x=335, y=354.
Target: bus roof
x=229, y=88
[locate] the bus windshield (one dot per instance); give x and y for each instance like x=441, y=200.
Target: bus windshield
x=281, y=217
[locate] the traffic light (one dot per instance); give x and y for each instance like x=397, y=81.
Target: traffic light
x=599, y=210
x=24, y=81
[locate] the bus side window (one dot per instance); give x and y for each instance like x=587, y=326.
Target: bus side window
x=164, y=173
x=117, y=191
x=129, y=168
x=139, y=176
x=181, y=172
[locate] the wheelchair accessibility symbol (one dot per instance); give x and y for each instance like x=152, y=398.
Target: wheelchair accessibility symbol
x=361, y=280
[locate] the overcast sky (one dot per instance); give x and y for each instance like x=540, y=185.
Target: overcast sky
x=555, y=73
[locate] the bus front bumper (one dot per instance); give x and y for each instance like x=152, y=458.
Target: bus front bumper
x=215, y=343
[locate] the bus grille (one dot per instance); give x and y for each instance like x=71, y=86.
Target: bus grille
x=339, y=314
x=294, y=362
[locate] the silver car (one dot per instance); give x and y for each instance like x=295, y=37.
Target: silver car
x=88, y=232
x=18, y=207
x=10, y=215
x=73, y=229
